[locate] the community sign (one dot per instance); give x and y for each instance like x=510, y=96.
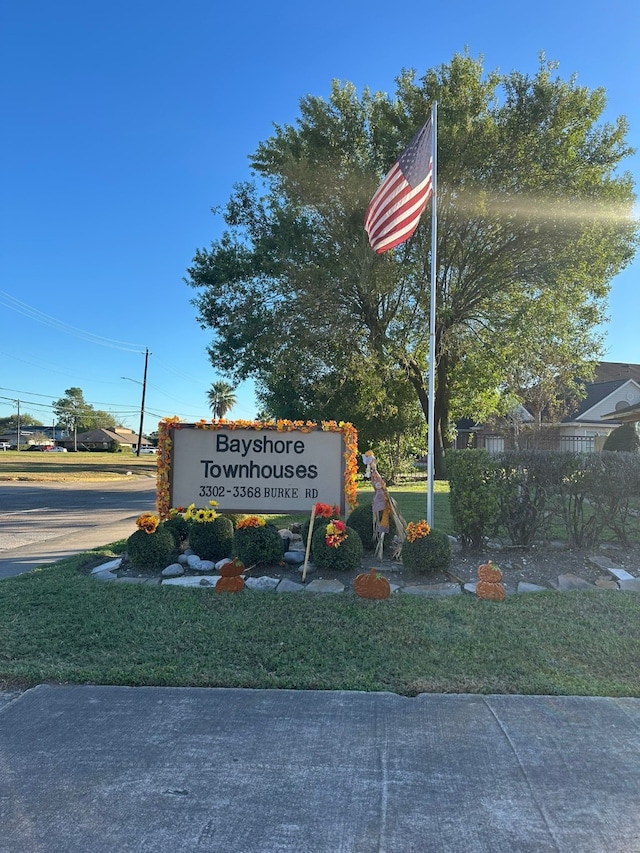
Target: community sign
x=261, y=468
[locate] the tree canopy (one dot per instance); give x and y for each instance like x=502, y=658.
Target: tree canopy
x=76, y=414
x=221, y=398
x=534, y=220
x=11, y=421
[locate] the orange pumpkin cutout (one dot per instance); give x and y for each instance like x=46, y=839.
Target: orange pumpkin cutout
x=232, y=569
x=229, y=584
x=490, y=591
x=489, y=572
x=371, y=585
x=489, y=586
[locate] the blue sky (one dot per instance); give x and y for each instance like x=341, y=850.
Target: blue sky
x=124, y=122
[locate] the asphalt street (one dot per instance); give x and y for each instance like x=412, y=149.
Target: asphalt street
x=45, y=522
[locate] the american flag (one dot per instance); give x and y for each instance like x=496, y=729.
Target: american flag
x=395, y=209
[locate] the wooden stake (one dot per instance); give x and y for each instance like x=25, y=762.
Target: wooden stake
x=308, y=548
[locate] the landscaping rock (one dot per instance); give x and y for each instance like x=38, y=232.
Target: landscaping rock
x=175, y=570
x=111, y=566
x=263, y=584
x=286, y=585
x=629, y=585
x=321, y=585
x=530, y=587
x=190, y=580
x=294, y=558
x=433, y=590
x=566, y=583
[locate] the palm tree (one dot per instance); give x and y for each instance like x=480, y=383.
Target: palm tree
x=221, y=398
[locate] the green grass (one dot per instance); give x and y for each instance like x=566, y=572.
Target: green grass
x=59, y=625
x=28, y=465
x=411, y=499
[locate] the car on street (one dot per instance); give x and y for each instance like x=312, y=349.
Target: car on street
x=148, y=450
x=55, y=449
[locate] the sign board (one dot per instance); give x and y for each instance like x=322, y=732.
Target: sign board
x=255, y=470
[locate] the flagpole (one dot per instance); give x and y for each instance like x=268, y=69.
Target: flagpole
x=432, y=318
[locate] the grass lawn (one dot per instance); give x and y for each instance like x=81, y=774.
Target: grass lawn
x=28, y=465
x=57, y=625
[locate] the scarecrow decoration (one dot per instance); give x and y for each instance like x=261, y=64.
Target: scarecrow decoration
x=383, y=509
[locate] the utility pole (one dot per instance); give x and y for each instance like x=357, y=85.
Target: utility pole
x=18, y=426
x=144, y=390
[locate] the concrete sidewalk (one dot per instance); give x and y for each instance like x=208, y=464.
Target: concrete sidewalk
x=258, y=771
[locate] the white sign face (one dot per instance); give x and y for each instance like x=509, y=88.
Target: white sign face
x=256, y=471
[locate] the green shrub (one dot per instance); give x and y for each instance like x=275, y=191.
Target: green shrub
x=526, y=479
x=258, y=545
x=473, y=494
x=624, y=438
x=427, y=554
x=346, y=557
x=361, y=519
x=178, y=527
x=149, y=551
x=211, y=540
x=234, y=517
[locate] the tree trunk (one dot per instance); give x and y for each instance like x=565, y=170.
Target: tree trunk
x=441, y=406
x=441, y=415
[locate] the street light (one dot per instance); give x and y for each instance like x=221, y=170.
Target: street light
x=144, y=390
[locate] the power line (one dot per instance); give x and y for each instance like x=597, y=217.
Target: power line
x=40, y=317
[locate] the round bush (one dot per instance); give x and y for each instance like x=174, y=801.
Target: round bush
x=212, y=540
x=148, y=551
x=427, y=554
x=256, y=545
x=361, y=519
x=345, y=558
x=178, y=527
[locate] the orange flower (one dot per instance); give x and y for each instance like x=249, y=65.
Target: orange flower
x=250, y=521
x=417, y=531
x=147, y=522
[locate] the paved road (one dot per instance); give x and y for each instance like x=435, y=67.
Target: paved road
x=44, y=522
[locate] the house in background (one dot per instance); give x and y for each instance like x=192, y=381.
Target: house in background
x=103, y=439
x=615, y=389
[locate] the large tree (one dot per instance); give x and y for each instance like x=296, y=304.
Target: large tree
x=76, y=414
x=534, y=219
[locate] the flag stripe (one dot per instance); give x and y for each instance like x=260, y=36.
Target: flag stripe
x=406, y=204
x=395, y=209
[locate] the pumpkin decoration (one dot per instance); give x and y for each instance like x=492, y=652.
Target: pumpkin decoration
x=232, y=568
x=489, y=586
x=489, y=572
x=371, y=585
x=229, y=584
